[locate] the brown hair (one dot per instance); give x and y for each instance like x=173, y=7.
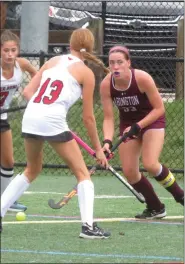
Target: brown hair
x=8, y=35
x=82, y=40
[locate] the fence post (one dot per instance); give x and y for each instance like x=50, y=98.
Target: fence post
x=34, y=26
x=96, y=26
x=3, y=7
x=179, y=65
x=41, y=58
x=104, y=10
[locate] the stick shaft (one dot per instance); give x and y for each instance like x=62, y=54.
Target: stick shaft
x=83, y=144
x=70, y=194
x=110, y=168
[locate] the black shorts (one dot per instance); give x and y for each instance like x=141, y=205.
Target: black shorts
x=4, y=125
x=62, y=137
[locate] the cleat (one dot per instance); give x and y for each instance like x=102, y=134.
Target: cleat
x=152, y=214
x=17, y=207
x=95, y=233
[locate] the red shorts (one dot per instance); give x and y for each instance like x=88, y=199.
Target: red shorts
x=158, y=124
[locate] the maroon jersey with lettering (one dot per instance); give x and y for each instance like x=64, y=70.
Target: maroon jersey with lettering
x=132, y=104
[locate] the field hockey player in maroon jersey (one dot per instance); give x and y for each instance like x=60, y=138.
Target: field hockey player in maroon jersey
x=140, y=106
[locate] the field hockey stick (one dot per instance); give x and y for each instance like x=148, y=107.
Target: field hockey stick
x=73, y=192
x=13, y=109
x=139, y=196
x=69, y=195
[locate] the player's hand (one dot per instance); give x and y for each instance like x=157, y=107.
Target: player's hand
x=101, y=158
x=106, y=148
x=132, y=131
x=107, y=151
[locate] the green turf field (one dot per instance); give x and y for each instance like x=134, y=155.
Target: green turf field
x=51, y=236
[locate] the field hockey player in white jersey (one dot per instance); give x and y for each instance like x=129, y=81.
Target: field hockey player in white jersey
x=12, y=69
x=55, y=88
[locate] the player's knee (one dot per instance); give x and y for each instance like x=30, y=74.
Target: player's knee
x=129, y=172
x=82, y=174
x=33, y=172
x=150, y=165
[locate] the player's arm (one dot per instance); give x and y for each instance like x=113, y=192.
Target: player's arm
x=26, y=66
x=106, y=100
x=147, y=85
x=34, y=84
x=88, y=84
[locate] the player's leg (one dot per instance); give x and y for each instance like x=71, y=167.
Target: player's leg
x=71, y=154
x=7, y=162
x=22, y=181
x=153, y=140
x=129, y=155
x=6, y=158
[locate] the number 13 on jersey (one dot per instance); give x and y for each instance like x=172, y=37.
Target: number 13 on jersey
x=55, y=89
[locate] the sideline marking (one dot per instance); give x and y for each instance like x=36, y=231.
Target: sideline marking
x=96, y=196
x=98, y=220
x=92, y=254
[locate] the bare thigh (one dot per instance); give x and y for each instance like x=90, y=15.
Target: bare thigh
x=34, y=154
x=71, y=154
x=153, y=140
x=7, y=160
x=129, y=153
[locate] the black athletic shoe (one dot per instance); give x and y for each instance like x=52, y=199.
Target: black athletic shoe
x=152, y=214
x=95, y=233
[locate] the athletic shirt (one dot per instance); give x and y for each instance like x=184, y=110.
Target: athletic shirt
x=132, y=104
x=9, y=87
x=46, y=112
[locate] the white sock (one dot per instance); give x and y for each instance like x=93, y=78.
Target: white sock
x=6, y=177
x=159, y=172
x=14, y=190
x=85, y=192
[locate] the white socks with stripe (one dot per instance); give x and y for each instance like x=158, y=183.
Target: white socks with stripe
x=14, y=190
x=85, y=192
x=6, y=177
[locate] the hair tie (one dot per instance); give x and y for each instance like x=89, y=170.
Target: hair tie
x=81, y=50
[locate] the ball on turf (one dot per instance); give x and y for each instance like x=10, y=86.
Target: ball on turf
x=20, y=216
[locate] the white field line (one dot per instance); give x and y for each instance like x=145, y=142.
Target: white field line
x=96, y=196
x=79, y=221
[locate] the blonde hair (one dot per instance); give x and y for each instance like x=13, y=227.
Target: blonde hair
x=82, y=40
x=8, y=35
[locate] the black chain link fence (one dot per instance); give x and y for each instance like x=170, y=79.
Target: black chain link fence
x=153, y=31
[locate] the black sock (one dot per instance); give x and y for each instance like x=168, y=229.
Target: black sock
x=167, y=180
x=144, y=186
